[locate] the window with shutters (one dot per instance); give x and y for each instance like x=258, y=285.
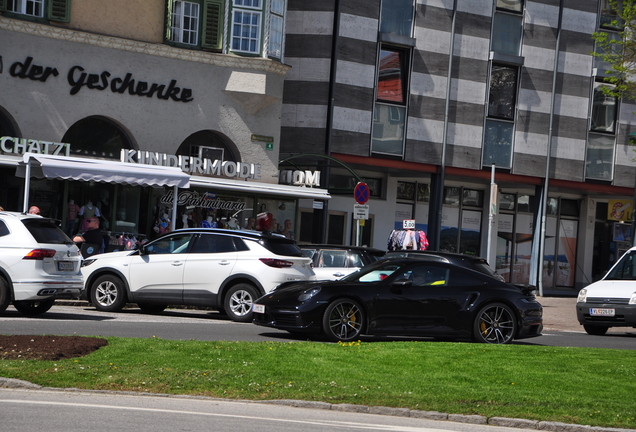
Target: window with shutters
x=195, y=24
x=38, y=10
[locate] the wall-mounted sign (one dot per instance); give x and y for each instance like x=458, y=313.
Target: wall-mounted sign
x=24, y=145
x=194, y=165
x=299, y=178
x=619, y=210
x=77, y=79
x=264, y=138
x=208, y=201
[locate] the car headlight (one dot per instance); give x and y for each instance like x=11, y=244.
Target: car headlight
x=307, y=294
x=632, y=299
x=582, y=298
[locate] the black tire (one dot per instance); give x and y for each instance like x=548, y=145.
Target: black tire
x=343, y=321
x=595, y=330
x=151, y=308
x=33, y=307
x=238, y=302
x=108, y=293
x=495, y=323
x=5, y=295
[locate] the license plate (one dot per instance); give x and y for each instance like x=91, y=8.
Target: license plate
x=65, y=266
x=258, y=308
x=602, y=312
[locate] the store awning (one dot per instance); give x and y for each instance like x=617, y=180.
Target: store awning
x=103, y=171
x=260, y=188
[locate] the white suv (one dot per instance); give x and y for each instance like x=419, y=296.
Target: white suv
x=223, y=269
x=38, y=263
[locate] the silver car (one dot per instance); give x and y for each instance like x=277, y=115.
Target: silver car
x=38, y=263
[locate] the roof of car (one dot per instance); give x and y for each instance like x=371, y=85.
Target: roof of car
x=331, y=246
x=442, y=256
x=242, y=233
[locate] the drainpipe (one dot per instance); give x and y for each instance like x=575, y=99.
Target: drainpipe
x=439, y=204
x=324, y=183
x=544, y=200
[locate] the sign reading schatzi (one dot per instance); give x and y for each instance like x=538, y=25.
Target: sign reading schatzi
x=24, y=145
x=194, y=165
x=207, y=201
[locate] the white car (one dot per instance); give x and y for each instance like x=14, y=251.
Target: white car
x=38, y=263
x=222, y=269
x=611, y=301
x=333, y=262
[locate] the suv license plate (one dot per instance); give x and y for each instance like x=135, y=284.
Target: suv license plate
x=65, y=265
x=259, y=308
x=602, y=312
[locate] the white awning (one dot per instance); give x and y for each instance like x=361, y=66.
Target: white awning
x=260, y=188
x=103, y=171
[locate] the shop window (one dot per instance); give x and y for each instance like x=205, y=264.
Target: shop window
x=506, y=32
x=461, y=220
x=97, y=137
x=474, y=198
x=599, y=158
x=406, y=191
x=396, y=17
x=344, y=184
x=569, y=208
x=603, y=116
x=195, y=24
x=336, y=228
x=423, y=192
x=389, y=116
x=53, y=10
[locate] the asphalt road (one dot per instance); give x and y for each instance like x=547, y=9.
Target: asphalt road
x=560, y=326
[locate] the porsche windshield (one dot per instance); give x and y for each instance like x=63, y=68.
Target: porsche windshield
x=375, y=272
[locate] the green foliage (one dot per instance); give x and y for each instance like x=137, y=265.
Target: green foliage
x=618, y=48
x=571, y=385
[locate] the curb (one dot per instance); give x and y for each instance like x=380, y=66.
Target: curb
x=363, y=409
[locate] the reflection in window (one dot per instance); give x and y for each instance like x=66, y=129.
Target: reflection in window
x=397, y=17
x=498, y=144
x=503, y=90
x=388, y=129
x=603, y=109
x=599, y=160
x=391, y=83
x=513, y=5
x=609, y=16
x=406, y=191
x=615, y=48
x=506, y=36
x=246, y=31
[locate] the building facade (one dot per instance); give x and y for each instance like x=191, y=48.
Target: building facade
x=191, y=84
x=431, y=100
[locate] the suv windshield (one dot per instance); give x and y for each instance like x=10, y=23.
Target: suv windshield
x=624, y=268
x=45, y=231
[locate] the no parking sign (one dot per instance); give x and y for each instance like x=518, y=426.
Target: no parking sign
x=361, y=193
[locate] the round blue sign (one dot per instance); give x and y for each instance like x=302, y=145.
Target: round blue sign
x=361, y=193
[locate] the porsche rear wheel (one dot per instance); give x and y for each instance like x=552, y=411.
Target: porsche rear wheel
x=495, y=324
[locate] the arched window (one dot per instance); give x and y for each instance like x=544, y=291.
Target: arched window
x=211, y=145
x=97, y=137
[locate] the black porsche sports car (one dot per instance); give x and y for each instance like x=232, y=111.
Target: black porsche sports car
x=405, y=297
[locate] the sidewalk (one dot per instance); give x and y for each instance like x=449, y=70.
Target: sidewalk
x=559, y=314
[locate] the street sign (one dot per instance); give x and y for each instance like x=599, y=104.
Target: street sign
x=361, y=193
x=361, y=211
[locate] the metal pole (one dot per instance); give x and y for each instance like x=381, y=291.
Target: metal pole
x=491, y=213
x=175, y=197
x=27, y=185
x=544, y=201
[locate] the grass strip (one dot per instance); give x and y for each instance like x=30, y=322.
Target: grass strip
x=572, y=385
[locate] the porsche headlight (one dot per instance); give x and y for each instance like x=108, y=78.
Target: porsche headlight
x=582, y=298
x=307, y=294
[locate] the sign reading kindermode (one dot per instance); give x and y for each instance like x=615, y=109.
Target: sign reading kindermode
x=194, y=165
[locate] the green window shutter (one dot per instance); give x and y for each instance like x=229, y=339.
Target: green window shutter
x=59, y=10
x=213, y=17
x=168, y=31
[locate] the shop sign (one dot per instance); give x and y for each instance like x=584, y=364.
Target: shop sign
x=619, y=210
x=208, y=201
x=24, y=145
x=299, y=178
x=77, y=79
x=194, y=165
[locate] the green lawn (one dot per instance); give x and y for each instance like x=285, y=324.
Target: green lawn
x=571, y=385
